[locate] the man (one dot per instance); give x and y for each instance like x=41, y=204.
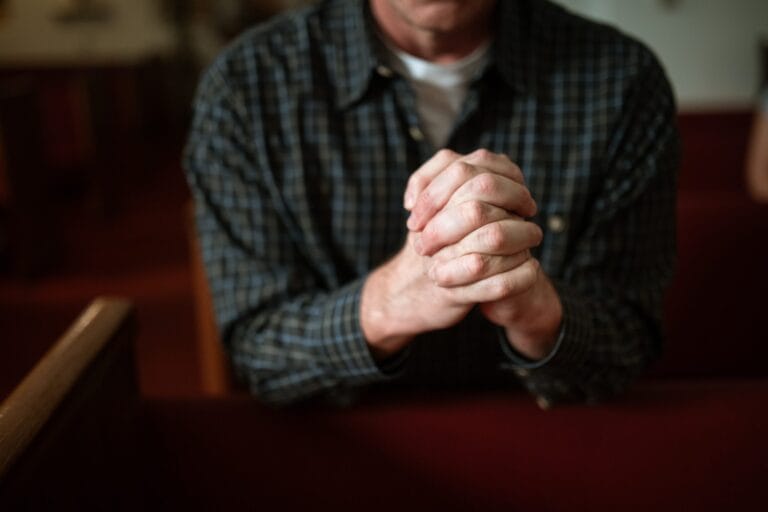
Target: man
x=534, y=249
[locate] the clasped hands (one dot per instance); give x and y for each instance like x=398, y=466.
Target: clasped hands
x=469, y=244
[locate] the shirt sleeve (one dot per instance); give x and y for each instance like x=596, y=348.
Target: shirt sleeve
x=289, y=334
x=613, y=285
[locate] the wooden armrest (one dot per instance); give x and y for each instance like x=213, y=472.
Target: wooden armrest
x=215, y=371
x=78, y=398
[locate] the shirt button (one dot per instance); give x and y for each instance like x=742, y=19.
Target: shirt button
x=556, y=224
x=543, y=403
x=384, y=71
x=416, y=133
x=521, y=372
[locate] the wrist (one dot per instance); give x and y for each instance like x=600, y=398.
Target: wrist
x=535, y=346
x=532, y=323
x=385, y=333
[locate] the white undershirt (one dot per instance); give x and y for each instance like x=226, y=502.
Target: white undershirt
x=440, y=88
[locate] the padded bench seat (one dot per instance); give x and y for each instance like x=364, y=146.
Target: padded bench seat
x=716, y=312
x=669, y=445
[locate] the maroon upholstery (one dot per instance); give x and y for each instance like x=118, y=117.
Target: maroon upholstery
x=668, y=446
x=716, y=309
x=714, y=148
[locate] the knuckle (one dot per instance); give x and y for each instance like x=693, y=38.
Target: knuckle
x=529, y=273
x=446, y=154
x=462, y=170
x=475, y=265
x=474, y=212
x=484, y=184
x=416, y=181
x=494, y=237
x=517, y=281
x=483, y=155
x=426, y=198
x=503, y=287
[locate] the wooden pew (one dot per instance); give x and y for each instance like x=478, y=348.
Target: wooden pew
x=26, y=182
x=68, y=432
x=668, y=445
x=215, y=371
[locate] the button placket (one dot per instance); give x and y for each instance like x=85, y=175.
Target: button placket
x=556, y=223
x=416, y=133
x=384, y=71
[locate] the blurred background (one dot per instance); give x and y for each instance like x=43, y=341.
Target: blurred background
x=94, y=104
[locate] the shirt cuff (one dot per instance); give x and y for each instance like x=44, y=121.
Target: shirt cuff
x=572, y=342
x=394, y=365
x=348, y=352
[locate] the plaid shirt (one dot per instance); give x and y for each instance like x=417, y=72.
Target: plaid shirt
x=299, y=153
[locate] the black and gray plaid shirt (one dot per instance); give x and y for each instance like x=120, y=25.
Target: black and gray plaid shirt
x=299, y=153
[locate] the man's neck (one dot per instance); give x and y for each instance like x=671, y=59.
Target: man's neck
x=434, y=47
x=439, y=46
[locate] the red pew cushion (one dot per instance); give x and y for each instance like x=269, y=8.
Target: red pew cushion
x=668, y=445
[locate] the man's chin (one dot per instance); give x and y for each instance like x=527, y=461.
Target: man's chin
x=440, y=16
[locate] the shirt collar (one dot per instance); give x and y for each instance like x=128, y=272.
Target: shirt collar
x=353, y=36
x=512, y=45
x=355, y=47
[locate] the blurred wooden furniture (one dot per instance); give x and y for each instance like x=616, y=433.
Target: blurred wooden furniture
x=69, y=130
x=216, y=376
x=92, y=122
x=28, y=240
x=68, y=431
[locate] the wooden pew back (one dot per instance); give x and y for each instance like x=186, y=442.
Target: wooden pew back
x=68, y=431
